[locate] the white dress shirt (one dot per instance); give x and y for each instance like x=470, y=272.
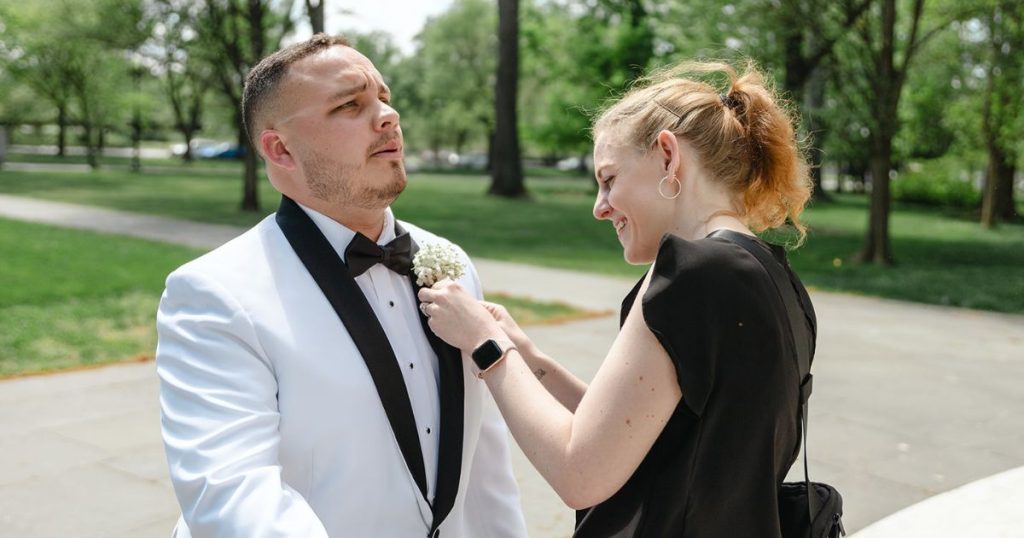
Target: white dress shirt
x=393, y=301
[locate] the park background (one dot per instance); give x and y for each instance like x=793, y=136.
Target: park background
x=911, y=111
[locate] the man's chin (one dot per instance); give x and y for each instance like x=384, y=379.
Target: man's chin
x=388, y=190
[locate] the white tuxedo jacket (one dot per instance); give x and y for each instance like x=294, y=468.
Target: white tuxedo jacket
x=274, y=427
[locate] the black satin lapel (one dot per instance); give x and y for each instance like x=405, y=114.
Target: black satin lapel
x=452, y=398
x=355, y=313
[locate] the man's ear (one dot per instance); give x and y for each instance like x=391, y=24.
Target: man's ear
x=274, y=150
x=667, y=146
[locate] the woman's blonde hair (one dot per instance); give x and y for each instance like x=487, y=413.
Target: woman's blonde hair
x=743, y=134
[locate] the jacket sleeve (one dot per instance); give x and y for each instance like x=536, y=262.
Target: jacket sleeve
x=219, y=417
x=492, y=496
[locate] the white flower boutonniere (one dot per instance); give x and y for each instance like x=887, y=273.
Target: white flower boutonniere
x=436, y=262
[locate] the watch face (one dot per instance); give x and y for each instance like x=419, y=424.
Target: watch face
x=485, y=355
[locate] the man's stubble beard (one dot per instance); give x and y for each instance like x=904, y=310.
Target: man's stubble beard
x=331, y=182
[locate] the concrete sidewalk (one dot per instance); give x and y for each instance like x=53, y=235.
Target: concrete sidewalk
x=910, y=401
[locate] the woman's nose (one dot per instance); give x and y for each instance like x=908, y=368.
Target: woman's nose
x=602, y=210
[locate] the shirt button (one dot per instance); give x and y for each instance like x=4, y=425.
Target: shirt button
x=411, y=366
x=428, y=431
x=391, y=304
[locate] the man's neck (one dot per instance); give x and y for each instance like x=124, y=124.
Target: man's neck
x=369, y=222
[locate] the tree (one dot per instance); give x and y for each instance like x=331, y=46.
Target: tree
x=184, y=75
x=885, y=57
x=454, y=85
x=507, y=167
x=578, y=53
x=315, y=11
x=73, y=54
x=1002, y=108
x=233, y=35
x=33, y=57
x=808, y=31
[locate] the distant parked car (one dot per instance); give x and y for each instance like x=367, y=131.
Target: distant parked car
x=178, y=150
x=224, y=150
x=205, y=148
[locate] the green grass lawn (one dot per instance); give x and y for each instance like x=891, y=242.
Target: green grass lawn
x=72, y=299
x=941, y=258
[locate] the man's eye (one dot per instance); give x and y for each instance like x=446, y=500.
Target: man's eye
x=608, y=181
x=385, y=99
x=344, y=106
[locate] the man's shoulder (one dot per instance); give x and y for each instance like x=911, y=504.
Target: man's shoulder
x=240, y=255
x=424, y=237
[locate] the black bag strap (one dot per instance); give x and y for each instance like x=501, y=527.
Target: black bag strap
x=798, y=321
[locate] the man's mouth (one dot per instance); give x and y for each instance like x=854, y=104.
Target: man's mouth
x=390, y=149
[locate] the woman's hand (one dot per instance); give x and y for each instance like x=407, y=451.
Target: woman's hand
x=509, y=326
x=457, y=317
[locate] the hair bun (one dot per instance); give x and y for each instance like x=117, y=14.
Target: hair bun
x=728, y=101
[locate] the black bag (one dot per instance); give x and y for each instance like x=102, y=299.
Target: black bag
x=793, y=511
x=819, y=515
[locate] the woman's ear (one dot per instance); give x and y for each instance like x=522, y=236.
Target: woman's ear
x=274, y=150
x=667, y=146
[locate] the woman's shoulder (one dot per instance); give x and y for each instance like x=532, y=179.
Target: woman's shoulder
x=694, y=260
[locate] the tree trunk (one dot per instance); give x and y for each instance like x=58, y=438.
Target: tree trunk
x=62, y=130
x=1005, y=206
x=250, y=194
x=460, y=141
x=814, y=102
x=887, y=87
x=877, y=248
x=90, y=147
x=188, y=157
x=507, y=168
x=315, y=9
x=997, y=196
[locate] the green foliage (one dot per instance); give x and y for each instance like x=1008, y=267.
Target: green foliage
x=447, y=87
x=939, y=182
x=577, y=54
x=73, y=54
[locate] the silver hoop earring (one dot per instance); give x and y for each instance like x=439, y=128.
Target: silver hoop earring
x=679, y=187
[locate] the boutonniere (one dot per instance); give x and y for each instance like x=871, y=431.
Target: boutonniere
x=436, y=262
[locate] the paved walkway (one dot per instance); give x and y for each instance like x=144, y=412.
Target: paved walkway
x=910, y=401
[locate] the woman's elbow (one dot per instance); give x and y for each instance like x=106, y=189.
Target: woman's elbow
x=582, y=496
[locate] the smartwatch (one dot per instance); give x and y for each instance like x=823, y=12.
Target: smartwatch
x=488, y=354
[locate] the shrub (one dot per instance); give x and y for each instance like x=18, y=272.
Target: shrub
x=938, y=182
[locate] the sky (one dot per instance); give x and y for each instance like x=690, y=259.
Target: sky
x=401, y=18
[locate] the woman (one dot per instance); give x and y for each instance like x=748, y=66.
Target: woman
x=690, y=424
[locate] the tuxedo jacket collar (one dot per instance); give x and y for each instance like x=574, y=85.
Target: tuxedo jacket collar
x=328, y=270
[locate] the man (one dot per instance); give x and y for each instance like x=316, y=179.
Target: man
x=300, y=392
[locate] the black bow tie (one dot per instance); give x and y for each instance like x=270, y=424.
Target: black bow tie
x=362, y=254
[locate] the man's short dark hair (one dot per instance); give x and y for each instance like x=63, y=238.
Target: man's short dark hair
x=263, y=80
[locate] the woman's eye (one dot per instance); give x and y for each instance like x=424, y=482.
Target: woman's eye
x=608, y=181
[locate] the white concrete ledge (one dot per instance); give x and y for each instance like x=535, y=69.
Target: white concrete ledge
x=992, y=507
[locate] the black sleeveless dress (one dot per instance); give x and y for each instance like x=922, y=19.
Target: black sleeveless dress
x=715, y=469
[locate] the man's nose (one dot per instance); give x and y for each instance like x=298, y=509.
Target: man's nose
x=388, y=118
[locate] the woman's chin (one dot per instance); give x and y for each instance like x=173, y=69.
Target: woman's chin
x=636, y=258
